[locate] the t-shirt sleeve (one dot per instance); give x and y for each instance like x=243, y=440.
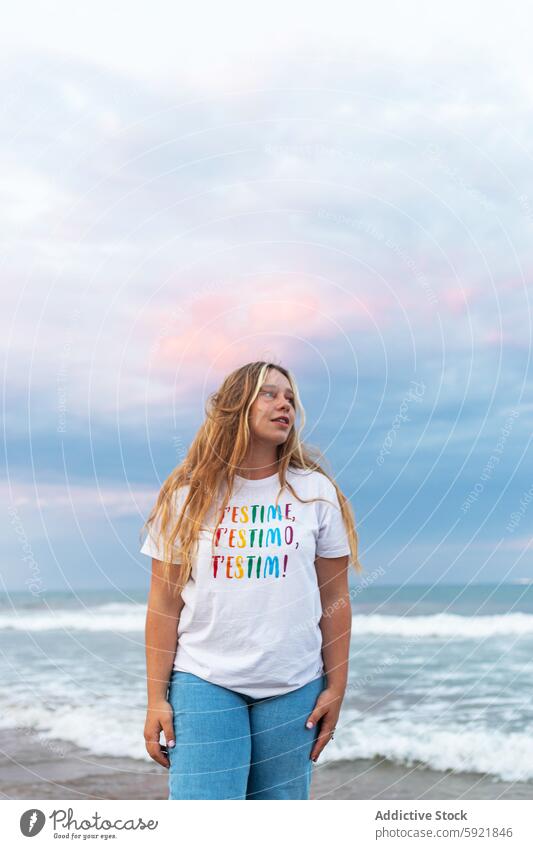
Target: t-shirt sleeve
x=332, y=538
x=153, y=545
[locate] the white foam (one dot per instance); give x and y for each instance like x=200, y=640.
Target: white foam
x=105, y=617
x=504, y=755
x=109, y=730
x=130, y=617
x=443, y=625
x=97, y=728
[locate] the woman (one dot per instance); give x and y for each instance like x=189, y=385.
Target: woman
x=249, y=617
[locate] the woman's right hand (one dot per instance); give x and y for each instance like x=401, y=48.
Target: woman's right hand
x=159, y=717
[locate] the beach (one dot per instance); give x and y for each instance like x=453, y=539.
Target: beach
x=437, y=706
x=34, y=769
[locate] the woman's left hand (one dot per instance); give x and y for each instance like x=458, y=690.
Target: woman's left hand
x=326, y=711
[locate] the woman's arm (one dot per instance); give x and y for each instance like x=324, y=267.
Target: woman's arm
x=336, y=626
x=161, y=635
x=161, y=631
x=336, y=622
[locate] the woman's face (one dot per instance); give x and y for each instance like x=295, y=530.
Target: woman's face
x=275, y=400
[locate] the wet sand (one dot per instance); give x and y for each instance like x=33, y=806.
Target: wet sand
x=35, y=769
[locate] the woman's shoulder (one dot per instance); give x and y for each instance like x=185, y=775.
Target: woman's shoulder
x=313, y=478
x=179, y=495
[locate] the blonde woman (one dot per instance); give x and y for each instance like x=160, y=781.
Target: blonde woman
x=249, y=618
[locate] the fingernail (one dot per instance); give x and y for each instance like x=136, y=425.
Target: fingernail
x=309, y=724
x=171, y=743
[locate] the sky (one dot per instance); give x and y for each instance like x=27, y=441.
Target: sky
x=346, y=190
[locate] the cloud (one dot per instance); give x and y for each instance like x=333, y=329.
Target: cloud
x=85, y=502
x=365, y=211
x=357, y=204
x=518, y=543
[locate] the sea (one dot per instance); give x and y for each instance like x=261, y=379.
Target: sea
x=440, y=675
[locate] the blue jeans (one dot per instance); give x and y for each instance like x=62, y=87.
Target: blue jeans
x=232, y=746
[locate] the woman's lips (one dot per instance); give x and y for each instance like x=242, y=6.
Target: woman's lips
x=283, y=424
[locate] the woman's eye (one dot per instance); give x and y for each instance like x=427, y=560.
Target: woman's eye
x=273, y=395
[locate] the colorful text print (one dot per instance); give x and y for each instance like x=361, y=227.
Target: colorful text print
x=257, y=532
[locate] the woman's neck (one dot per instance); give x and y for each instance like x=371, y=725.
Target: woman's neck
x=258, y=464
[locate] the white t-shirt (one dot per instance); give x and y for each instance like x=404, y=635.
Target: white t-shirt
x=250, y=616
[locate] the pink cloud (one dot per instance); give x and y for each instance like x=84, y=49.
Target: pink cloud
x=223, y=329
x=494, y=338
x=459, y=299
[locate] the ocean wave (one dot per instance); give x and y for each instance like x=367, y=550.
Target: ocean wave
x=109, y=730
x=443, y=625
x=104, y=617
x=128, y=617
x=505, y=756
x=101, y=729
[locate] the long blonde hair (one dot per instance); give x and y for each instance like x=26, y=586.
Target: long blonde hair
x=216, y=452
